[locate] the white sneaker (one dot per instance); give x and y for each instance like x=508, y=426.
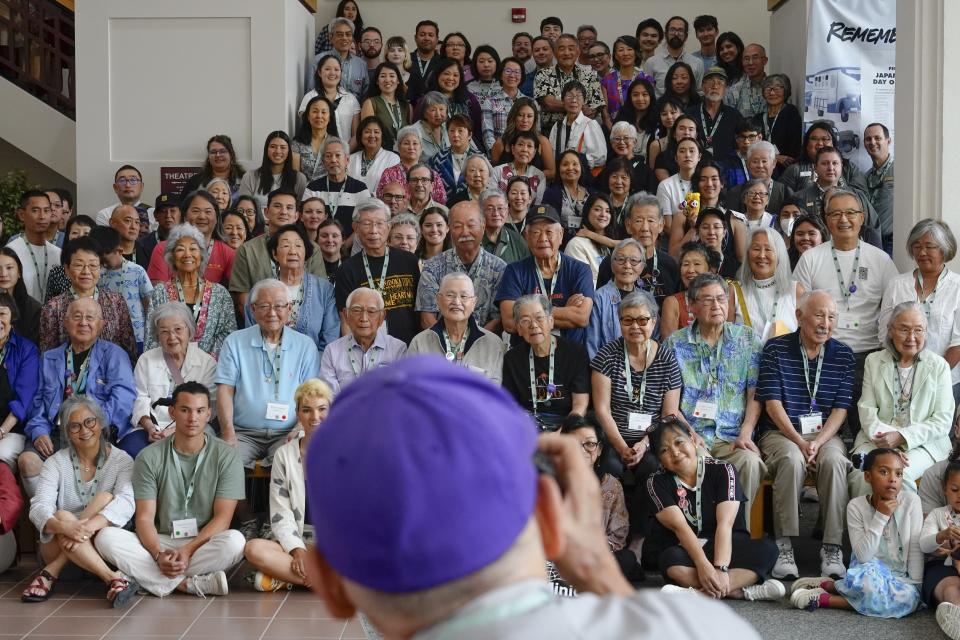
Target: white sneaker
x=786, y=565
x=806, y=583
x=948, y=617
x=769, y=590
x=831, y=562
x=672, y=588
x=208, y=584
x=806, y=598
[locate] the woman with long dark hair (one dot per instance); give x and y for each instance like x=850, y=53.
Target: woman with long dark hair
x=730, y=55
x=524, y=115
x=387, y=101
x=593, y=241
x=447, y=77
x=638, y=109
x=680, y=84
x=221, y=162
x=316, y=123
x=626, y=70
x=486, y=73
x=456, y=47
x=27, y=322
x=346, y=106
x=275, y=171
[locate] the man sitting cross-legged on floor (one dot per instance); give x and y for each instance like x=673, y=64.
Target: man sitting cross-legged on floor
x=186, y=489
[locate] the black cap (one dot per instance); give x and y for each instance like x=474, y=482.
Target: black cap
x=542, y=212
x=166, y=200
x=711, y=211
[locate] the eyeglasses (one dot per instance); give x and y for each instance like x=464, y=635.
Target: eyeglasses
x=757, y=194
x=511, y=72
x=906, y=332
x=453, y=297
x=528, y=322
x=128, y=182
x=849, y=214
x=367, y=225
x=264, y=307
x=246, y=212
x=748, y=136
x=640, y=321
x=621, y=139
x=357, y=310
x=393, y=197
x=590, y=445
x=89, y=424
x=420, y=180
x=218, y=152
x=80, y=268
x=342, y=34
x=709, y=301
x=634, y=262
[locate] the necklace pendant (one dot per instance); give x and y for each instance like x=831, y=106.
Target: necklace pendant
x=853, y=288
x=450, y=356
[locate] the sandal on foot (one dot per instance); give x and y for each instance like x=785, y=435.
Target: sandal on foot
x=121, y=590
x=40, y=588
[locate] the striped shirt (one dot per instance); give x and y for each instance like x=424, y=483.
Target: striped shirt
x=782, y=378
x=663, y=375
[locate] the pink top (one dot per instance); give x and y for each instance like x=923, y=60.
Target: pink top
x=218, y=267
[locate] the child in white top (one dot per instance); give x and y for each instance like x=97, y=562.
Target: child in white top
x=940, y=537
x=886, y=566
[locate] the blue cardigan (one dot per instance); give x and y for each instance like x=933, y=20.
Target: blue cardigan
x=109, y=382
x=318, y=318
x=22, y=363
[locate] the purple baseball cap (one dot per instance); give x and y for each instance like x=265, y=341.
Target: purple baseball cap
x=422, y=474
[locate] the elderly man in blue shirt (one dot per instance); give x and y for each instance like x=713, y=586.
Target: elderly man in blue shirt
x=260, y=367
x=84, y=364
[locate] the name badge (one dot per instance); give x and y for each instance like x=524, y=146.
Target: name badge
x=573, y=222
x=639, y=421
x=705, y=410
x=277, y=411
x=846, y=321
x=805, y=174
x=186, y=528
x=811, y=423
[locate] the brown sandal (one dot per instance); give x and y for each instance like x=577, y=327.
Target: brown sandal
x=121, y=590
x=40, y=588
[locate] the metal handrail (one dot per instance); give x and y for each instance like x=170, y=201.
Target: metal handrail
x=37, y=51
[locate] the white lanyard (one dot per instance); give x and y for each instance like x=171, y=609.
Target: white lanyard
x=551, y=387
x=553, y=280
x=274, y=374
x=196, y=302
x=806, y=374
x=696, y=519
x=903, y=397
x=628, y=374
x=41, y=275
x=187, y=486
x=456, y=350
x=708, y=137
x=383, y=272
x=847, y=290
x=335, y=205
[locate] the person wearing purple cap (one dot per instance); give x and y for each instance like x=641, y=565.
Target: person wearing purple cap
x=466, y=557
x=570, y=288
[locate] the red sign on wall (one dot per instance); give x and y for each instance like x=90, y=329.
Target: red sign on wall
x=174, y=179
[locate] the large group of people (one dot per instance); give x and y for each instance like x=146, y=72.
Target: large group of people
x=638, y=241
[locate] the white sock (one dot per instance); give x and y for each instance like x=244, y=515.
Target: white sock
x=785, y=542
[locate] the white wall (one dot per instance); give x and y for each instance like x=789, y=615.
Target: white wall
x=488, y=21
x=788, y=44
x=156, y=79
x=38, y=130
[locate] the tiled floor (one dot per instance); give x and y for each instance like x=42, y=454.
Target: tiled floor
x=78, y=610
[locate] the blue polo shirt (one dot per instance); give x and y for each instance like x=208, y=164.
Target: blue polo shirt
x=520, y=279
x=781, y=378
x=245, y=363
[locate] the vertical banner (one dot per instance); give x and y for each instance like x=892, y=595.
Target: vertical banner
x=851, y=68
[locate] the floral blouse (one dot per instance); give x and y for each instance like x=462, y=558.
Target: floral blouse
x=214, y=315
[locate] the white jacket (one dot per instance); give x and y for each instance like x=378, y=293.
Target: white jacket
x=586, y=137
x=153, y=381
x=865, y=526
x=288, y=496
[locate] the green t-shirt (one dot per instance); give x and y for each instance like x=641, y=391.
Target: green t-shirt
x=155, y=477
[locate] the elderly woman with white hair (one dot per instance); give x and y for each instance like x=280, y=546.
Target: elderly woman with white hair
x=456, y=334
x=628, y=143
x=210, y=303
x=478, y=177
x=432, y=125
x=83, y=488
x=935, y=286
x=627, y=263
x=410, y=149
x=159, y=370
x=907, y=401
x=770, y=294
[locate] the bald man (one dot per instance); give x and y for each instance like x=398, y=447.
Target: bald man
x=746, y=94
x=806, y=388
x=126, y=220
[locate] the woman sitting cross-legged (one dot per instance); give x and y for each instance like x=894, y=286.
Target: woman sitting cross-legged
x=280, y=561
x=83, y=488
x=700, y=535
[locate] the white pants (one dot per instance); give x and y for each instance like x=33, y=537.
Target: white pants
x=11, y=445
x=122, y=549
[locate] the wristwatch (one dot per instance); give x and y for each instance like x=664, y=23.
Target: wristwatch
x=722, y=568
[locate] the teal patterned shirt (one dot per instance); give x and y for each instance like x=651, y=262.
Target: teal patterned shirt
x=722, y=377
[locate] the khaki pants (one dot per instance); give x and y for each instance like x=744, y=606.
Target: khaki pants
x=750, y=469
x=122, y=549
x=788, y=469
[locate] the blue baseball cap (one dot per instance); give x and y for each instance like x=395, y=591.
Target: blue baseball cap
x=422, y=474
